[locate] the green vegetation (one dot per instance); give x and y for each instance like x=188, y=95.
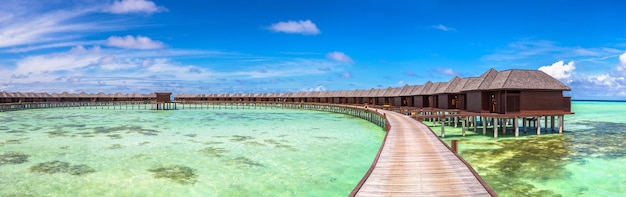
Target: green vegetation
x=61, y=167
x=178, y=173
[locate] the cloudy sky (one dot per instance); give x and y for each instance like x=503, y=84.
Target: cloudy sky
x=238, y=46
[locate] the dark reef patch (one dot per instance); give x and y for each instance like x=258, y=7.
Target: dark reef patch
x=58, y=133
x=61, y=167
x=178, y=173
x=213, y=151
x=116, y=146
x=13, y=158
x=511, y=165
x=244, y=161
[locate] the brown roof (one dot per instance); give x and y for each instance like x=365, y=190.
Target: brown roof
x=526, y=79
x=456, y=85
x=433, y=89
x=451, y=85
x=406, y=90
x=417, y=90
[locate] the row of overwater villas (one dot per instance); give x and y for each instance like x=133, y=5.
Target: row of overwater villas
x=505, y=92
x=30, y=97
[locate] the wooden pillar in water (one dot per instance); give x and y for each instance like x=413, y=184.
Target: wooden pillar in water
x=456, y=121
x=561, y=121
x=482, y=121
x=463, y=126
x=515, y=124
x=538, y=125
x=552, y=124
x=474, y=123
x=505, y=124
x=443, y=125
x=524, y=124
x=495, y=128
x=545, y=122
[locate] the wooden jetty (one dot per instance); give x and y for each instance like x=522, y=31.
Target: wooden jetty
x=413, y=161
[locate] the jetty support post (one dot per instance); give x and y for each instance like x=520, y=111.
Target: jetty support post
x=454, y=146
x=474, y=123
x=561, y=123
x=538, y=125
x=483, y=121
x=516, y=125
x=463, y=119
x=443, y=125
x=495, y=128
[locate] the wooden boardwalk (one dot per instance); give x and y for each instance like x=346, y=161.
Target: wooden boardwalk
x=414, y=162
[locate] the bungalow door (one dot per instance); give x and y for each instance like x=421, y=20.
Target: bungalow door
x=493, y=104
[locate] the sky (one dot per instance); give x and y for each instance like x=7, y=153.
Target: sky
x=184, y=46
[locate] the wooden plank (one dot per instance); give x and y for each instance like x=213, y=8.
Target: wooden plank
x=414, y=162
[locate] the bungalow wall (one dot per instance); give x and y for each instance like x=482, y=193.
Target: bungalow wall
x=489, y=102
x=407, y=101
x=397, y=101
x=474, y=101
x=541, y=101
x=567, y=104
x=371, y=100
x=442, y=101
x=380, y=101
x=462, y=102
x=432, y=101
x=418, y=101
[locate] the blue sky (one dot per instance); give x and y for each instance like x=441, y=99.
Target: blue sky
x=278, y=46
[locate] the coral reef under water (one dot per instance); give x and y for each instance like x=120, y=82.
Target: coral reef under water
x=243, y=161
x=178, y=173
x=13, y=158
x=213, y=151
x=61, y=167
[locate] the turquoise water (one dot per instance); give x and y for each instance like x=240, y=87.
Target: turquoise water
x=252, y=152
x=589, y=159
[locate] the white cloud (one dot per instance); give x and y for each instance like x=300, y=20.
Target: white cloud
x=82, y=49
x=339, y=56
x=446, y=71
x=622, y=63
x=560, y=70
x=46, y=27
x=134, y=6
x=346, y=75
x=130, y=42
x=443, y=27
x=319, y=88
x=296, y=27
x=52, y=63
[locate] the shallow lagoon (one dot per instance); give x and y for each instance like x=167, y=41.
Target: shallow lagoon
x=252, y=152
x=589, y=159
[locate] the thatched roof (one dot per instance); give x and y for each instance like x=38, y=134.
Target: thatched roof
x=431, y=89
x=526, y=79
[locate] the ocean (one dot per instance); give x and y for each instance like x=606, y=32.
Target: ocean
x=208, y=152
x=588, y=159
